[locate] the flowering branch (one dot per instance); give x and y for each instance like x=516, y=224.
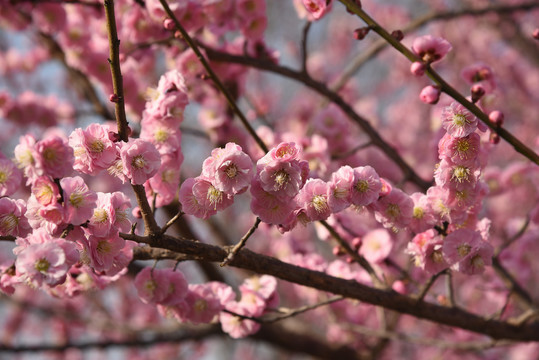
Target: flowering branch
x=214, y=77
x=443, y=85
x=389, y=299
x=241, y=243
x=323, y=90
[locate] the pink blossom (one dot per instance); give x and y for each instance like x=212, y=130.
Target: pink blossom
x=190, y=203
x=426, y=249
x=461, y=150
x=79, y=201
x=53, y=157
x=455, y=176
x=268, y=207
x=430, y=94
x=101, y=221
x=140, y=160
x=45, y=191
x=460, y=244
x=480, y=73
x=265, y=286
x=93, y=149
x=423, y=217
x=394, y=210
x=317, y=8
x=25, y=156
x=170, y=97
x=152, y=285
x=10, y=177
x=417, y=68
x=42, y=264
x=458, y=121
x=101, y=251
x=340, y=188
x=165, y=137
x=120, y=205
x=201, y=305
x=313, y=198
x=285, y=151
x=50, y=217
x=475, y=263
x=376, y=245
x=12, y=219
x=230, y=169
x=235, y=326
x=166, y=182
x=200, y=198
x=366, y=186
x=431, y=49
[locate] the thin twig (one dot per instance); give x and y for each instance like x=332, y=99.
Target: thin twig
x=444, y=85
x=214, y=77
x=172, y=221
x=513, y=238
x=304, y=55
x=241, y=243
x=121, y=120
x=354, y=255
x=449, y=288
x=428, y=285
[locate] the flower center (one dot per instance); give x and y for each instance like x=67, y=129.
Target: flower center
x=49, y=154
x=437, y=256
x=281, y=179
x=3, y=176
x=393, y=210
x=201, y=305
x=461, y=173
x=42, y=265
x=320, y=203
x=97, y=146
x=231, y=171
x=138, y=162
x=463, y=250
x=104, y=247
x=214, y=196
x=76, y=199
x=477, y=262
x=418, y=212
x=362, y=186
x=460, y=120
x=8, y=223
x=161, y=135
x=100, y=216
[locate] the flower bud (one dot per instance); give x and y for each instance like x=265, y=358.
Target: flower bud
x=494, y=138
x=496, y=117
x=417, y=68
x=430, y=94
x=535, y=34
x=398, y=35
x=359, y=34
x=113, y=98
x=169, y=24
x=477, y=92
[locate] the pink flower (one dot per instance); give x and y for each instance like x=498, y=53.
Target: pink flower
x=430, y=49
x=317, y=8
x=120, y=205
x=265, y=286
x=366, y=186
x=93, y=149
x=430, y=94
x=340, y=188
x=170, y=97
x=394, y=210
x=461, y=150
x=79, y=201
x=230, y=169
x=200, y=198
x=42, y=264
x=201, y=305
x=475, y=263
x=101, y=221
x=165, y=137
x=376, y=245
x=152, y=285
x=166, y=182
x=12, y=219
x=480, y=73
x=53, y=157
x=270, y=208
x=426, y=248
x=423, y=217
x=25, y=155
x=235, y=326
x=45, y=191
x=458, y=121
x=10, y=178
x=50, y=217
x=140, y=160
x=455, y=176
x=460, y=244
x=102, y=251
x=313, y=198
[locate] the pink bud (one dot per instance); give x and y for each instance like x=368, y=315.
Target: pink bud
x=169, y=24
x=477, y=92
x=430, y=94
x=417, y=68
x=136, y=212
x=337, y=251
x=496, y=117
x=113, y=98
x=494, y=138
x=398, y=35
x=535, y=34
x=359, y=34
x=356, y=243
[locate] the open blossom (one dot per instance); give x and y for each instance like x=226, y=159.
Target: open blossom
x=79, y=200
x=49, y=217
x=365, y=187
x=426, y=248
x=270, y=208
x=166, y=182
x=201, y=305
x=313, y=198
x=42, y=264
x=10, y=177
x=458, y=121
x=480, y=73
x=100, y=252
x=140, y=160
x=93, y=149
x=230, y=169
x=166, y=137
x=169, y=98
x=430, y=48
x=25, y=156
x=200, y=198
x=475, y=263
x=423, y=217
x=455, y=176
x=460, y=150
x=12, y=219
x=317, y=8
x=394, y=210
x=45, y=191
x=53, y=157
x=161, y=286
x=376, y=245
x=460, y=244
x=340, y=188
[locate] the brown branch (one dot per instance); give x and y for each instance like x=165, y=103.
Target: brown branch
x=304, y=55
x=381, y=44
x=214, y=77
x=150, y=225
x=236, y=248
x=7, y=238
x=444, y=85
x=389, y=299
x=323, y=90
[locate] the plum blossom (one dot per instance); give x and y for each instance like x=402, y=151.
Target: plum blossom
x=317, y=8
x=79, y=200
x=430, y=48
x=394, y=210
x=53, y=157
x=12, y=219
x=458, y=121
x=10, y=177
x=313, y=198
x=366, y=186
x=376, y=245
x=93, y=149
x=140, y=160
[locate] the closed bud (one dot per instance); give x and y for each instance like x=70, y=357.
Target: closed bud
x=496, y=117
x=417, y=68
x=398, y=35
x=430, y=94
x=169, y=24
x=113, y=98
x=494, y=138
x=337, y=251
x=535, y=34
x=359, y=34
x=477, y=92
